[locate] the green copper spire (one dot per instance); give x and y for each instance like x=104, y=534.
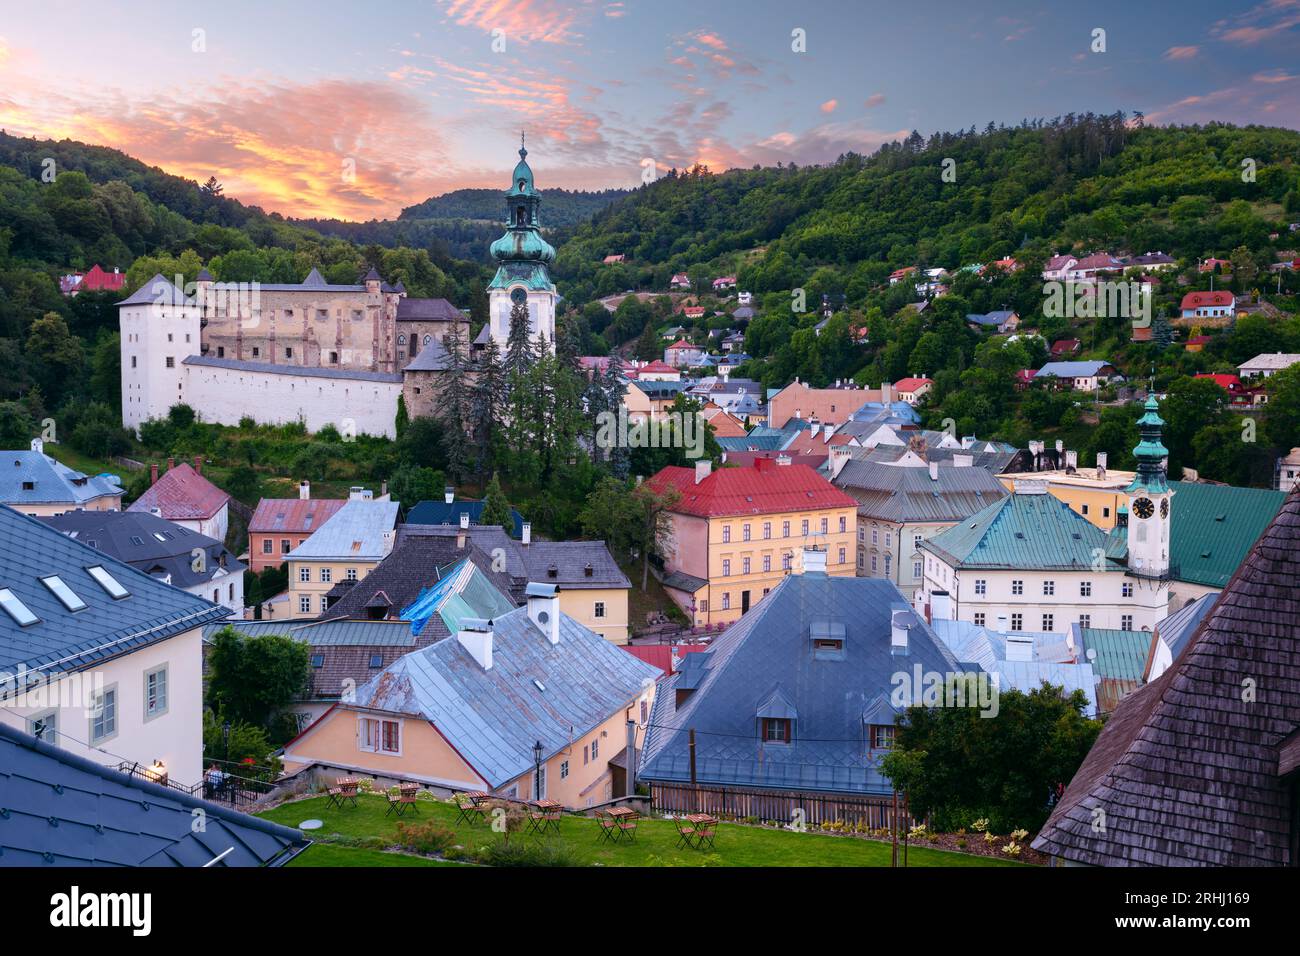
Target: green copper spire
x=1150, y=451
x=522, y=253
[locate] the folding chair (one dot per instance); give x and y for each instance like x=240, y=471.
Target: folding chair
x=704, y=835
x=608, y=828
x=685, y=834
x=467, y=810
x=536, y=820
x=627, y=826
x=334, y=797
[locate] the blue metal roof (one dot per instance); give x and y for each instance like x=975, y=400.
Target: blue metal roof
x=362, y=530
x=32, y=478
x=493, y=717
x=765, y=662
x=61, y=809
x=63, y=640
x=439, y=512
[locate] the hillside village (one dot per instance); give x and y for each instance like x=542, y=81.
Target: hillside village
x=352, y=548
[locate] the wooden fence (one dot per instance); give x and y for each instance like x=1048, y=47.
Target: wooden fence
x=777, y=806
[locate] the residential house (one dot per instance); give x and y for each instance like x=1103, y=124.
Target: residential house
x=680, y=281
x=97, y=657
x=693, y=312
x=825, y=406
x=183, y=496
x=656, y=371
x=723, y=283
x=1063, y=347
x=794, y=705
x=682, y=354
x=1058, y=268
x=1211, y=264
x=36, y=484
x=1286, y=473
x=1191, y=737
x=185, y=559
x=1197, y=343
x=467, y=712
x=611, y=260
x=736, y=533
x=744, y=298
x=1007, y=265
x=1081, y=376
x=724, y=424
x=898, y=275
x=449, y=510
x=345, y=548
x=62, y=809
x=1095, y=266
x=912, y=390
x=673, y=334
x=96, y=280
x=1025, y=378
x=1267, y=364
x=1002, y=321
x=899, y=506
x=279, y=525
x=1202, y=305
x=1151, y=261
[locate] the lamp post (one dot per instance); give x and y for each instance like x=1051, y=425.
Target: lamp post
x=537, y=770
x=225, y=738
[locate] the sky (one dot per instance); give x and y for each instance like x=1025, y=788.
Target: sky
x=355, y=110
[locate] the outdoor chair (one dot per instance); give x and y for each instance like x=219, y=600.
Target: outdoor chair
x=467, y=810
x=400, y=802
x=704, y=835
x=334, y=797
x=608, y=828
x=627, y=826
x=685, y=833
x=536, y=820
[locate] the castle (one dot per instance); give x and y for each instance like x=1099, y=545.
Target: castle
x=317, y=352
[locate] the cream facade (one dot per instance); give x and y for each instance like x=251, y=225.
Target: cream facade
x=603, y=610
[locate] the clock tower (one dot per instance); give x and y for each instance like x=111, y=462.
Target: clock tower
x=1149, y=501
x=523, y=257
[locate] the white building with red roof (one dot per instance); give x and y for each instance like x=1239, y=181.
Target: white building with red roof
x=1218, y=304
x=682, y=354
x=912, y=390
x=182, y=495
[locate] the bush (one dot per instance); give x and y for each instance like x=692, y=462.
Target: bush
x=519, y=853
x=427, y=838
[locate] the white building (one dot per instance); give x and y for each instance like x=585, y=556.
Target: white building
x=1267, y=364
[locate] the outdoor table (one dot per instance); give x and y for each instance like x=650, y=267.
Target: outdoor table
x=700, y=822
x=624, y=817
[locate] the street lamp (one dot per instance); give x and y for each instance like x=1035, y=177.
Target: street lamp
x=537, y=770
x=225, y=737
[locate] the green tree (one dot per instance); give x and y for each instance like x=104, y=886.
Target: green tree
x=56, y=356
x=252, y=679
x=496, y=509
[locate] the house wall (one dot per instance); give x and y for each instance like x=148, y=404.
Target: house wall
x=47, y=509
x=226, y=589
x=315, y=589
x=153, y=336
x=175, y=737
x=259, y=561
x=898, y=542
x=580, y=604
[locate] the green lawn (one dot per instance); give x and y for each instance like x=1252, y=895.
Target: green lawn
x=736, y=844
x=325, y=854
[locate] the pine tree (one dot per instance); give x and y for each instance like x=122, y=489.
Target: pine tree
x=519, y=351
x=614, y=388
x=453, y=401
x=402, y=419
x=486, y=407
x=496, y=509
x=647, y=346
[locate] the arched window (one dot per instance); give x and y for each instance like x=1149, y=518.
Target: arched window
x=401, y=340
x=428, y=339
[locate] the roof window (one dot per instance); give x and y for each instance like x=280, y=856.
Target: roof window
x=64, y=593
x=16, y=609
x=108, y=582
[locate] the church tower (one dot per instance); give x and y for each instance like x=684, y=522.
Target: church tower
x=1149, y=500
x=523, y=257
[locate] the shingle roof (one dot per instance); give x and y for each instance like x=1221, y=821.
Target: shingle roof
x=182, y=494
x=899, y=493
x=1212, y=528
x=51, y=481
x=361, y=530
x=764, y=487
x=64, y=640
x=428, y=310
x=493, y=717
x=150, y=544
x=769, y=649
x=293, y=515
x=65, y=810
x=1022, y=532
x=1188, y=769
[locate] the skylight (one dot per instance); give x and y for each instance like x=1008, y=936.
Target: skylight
x=108, y=582
x=63, y=593
x=16, y=609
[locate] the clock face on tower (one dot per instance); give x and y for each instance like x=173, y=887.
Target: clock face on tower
x=518, y=296
x=1164, y=507
x=1144, y=508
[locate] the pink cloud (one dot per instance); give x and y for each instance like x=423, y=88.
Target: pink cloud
x=874, y=100
x=542, y=21
x=1261, y=23
x=829, y=106
x=1181, y=52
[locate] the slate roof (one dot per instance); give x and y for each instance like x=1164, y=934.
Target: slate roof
x=182, y=494
x=439, y=512
x=431, y=358
x=1212, y=528
x=493, y=717
x=63, y=640
x=51, y=481
x=991, y=318
x=893, y=493
x=293, y=515
x=158, y=290
x=1189, y=771
x=1177, y=629
x=428, y=310
x=769, y=650
x=65, y=810
x=761, y=488
x=150, y=544
x=1030, y=532
x=360, y=530
x=310, y=371
x=1081, y=369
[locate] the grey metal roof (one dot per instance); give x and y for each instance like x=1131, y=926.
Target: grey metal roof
x=681, y=581
x=900, y=493
x=428, y=310
x=356, y=531
x=63, y=640
x=1177, y=628
x=310, y=371
x=769, y=648
x=431, y=358
x=492, y=717
x=65, y=810
x=340, y=632
x=51, y=481
x=157, y=291
x=1081, y=369
x=150, y=544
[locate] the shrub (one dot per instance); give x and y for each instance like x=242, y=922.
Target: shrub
x=426, y=838
x=519, y=853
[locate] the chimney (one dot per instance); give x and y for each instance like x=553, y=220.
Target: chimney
x=1002, y=623
x=383, y=489
x=828, y=431
x=449, y=494
x=1060, y=447
x=153, y=474
x=940, y=606
x=1071, y=461
x=38, y=446
x=304, y=490
x=198, y=464
x=526, y=534
x=934, y=471
x=464, y=520
x=900, y=623
x=814, y=561
x=171, y=463
x=475, y=635
x=702, y=470
x=1101, y=465
x=544, y=609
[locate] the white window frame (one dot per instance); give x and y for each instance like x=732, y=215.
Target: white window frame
x=164, y=696
x=364, y=743
x=101, y=700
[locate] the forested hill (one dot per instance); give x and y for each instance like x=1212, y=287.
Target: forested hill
x=560, y=207
x=1081, y=182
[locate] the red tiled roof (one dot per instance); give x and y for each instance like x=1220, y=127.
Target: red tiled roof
x=181, y=493
x=681, y=344
x=292, y=514
x=1230, y=382
x=661, y=655
x=762, y=488
x=97, y=280
x=1196, y=300
x=911, y=384
x=1065, y=345
x=656, y=367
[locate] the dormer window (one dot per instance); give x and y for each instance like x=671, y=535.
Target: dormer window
x=776, y=730
x=827, y=638
x=882, y=736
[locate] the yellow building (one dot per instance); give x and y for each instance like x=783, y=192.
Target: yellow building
x=736, y=532
x=1093, y=493
x=531, y=676
x=345, y=548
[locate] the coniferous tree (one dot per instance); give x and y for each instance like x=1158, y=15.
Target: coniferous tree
x=486, y=407
x=519, y=350
x=454, y=403
x=496, y=509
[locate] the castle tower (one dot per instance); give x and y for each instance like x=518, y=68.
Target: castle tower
x=159, y=328
x=523, y=257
